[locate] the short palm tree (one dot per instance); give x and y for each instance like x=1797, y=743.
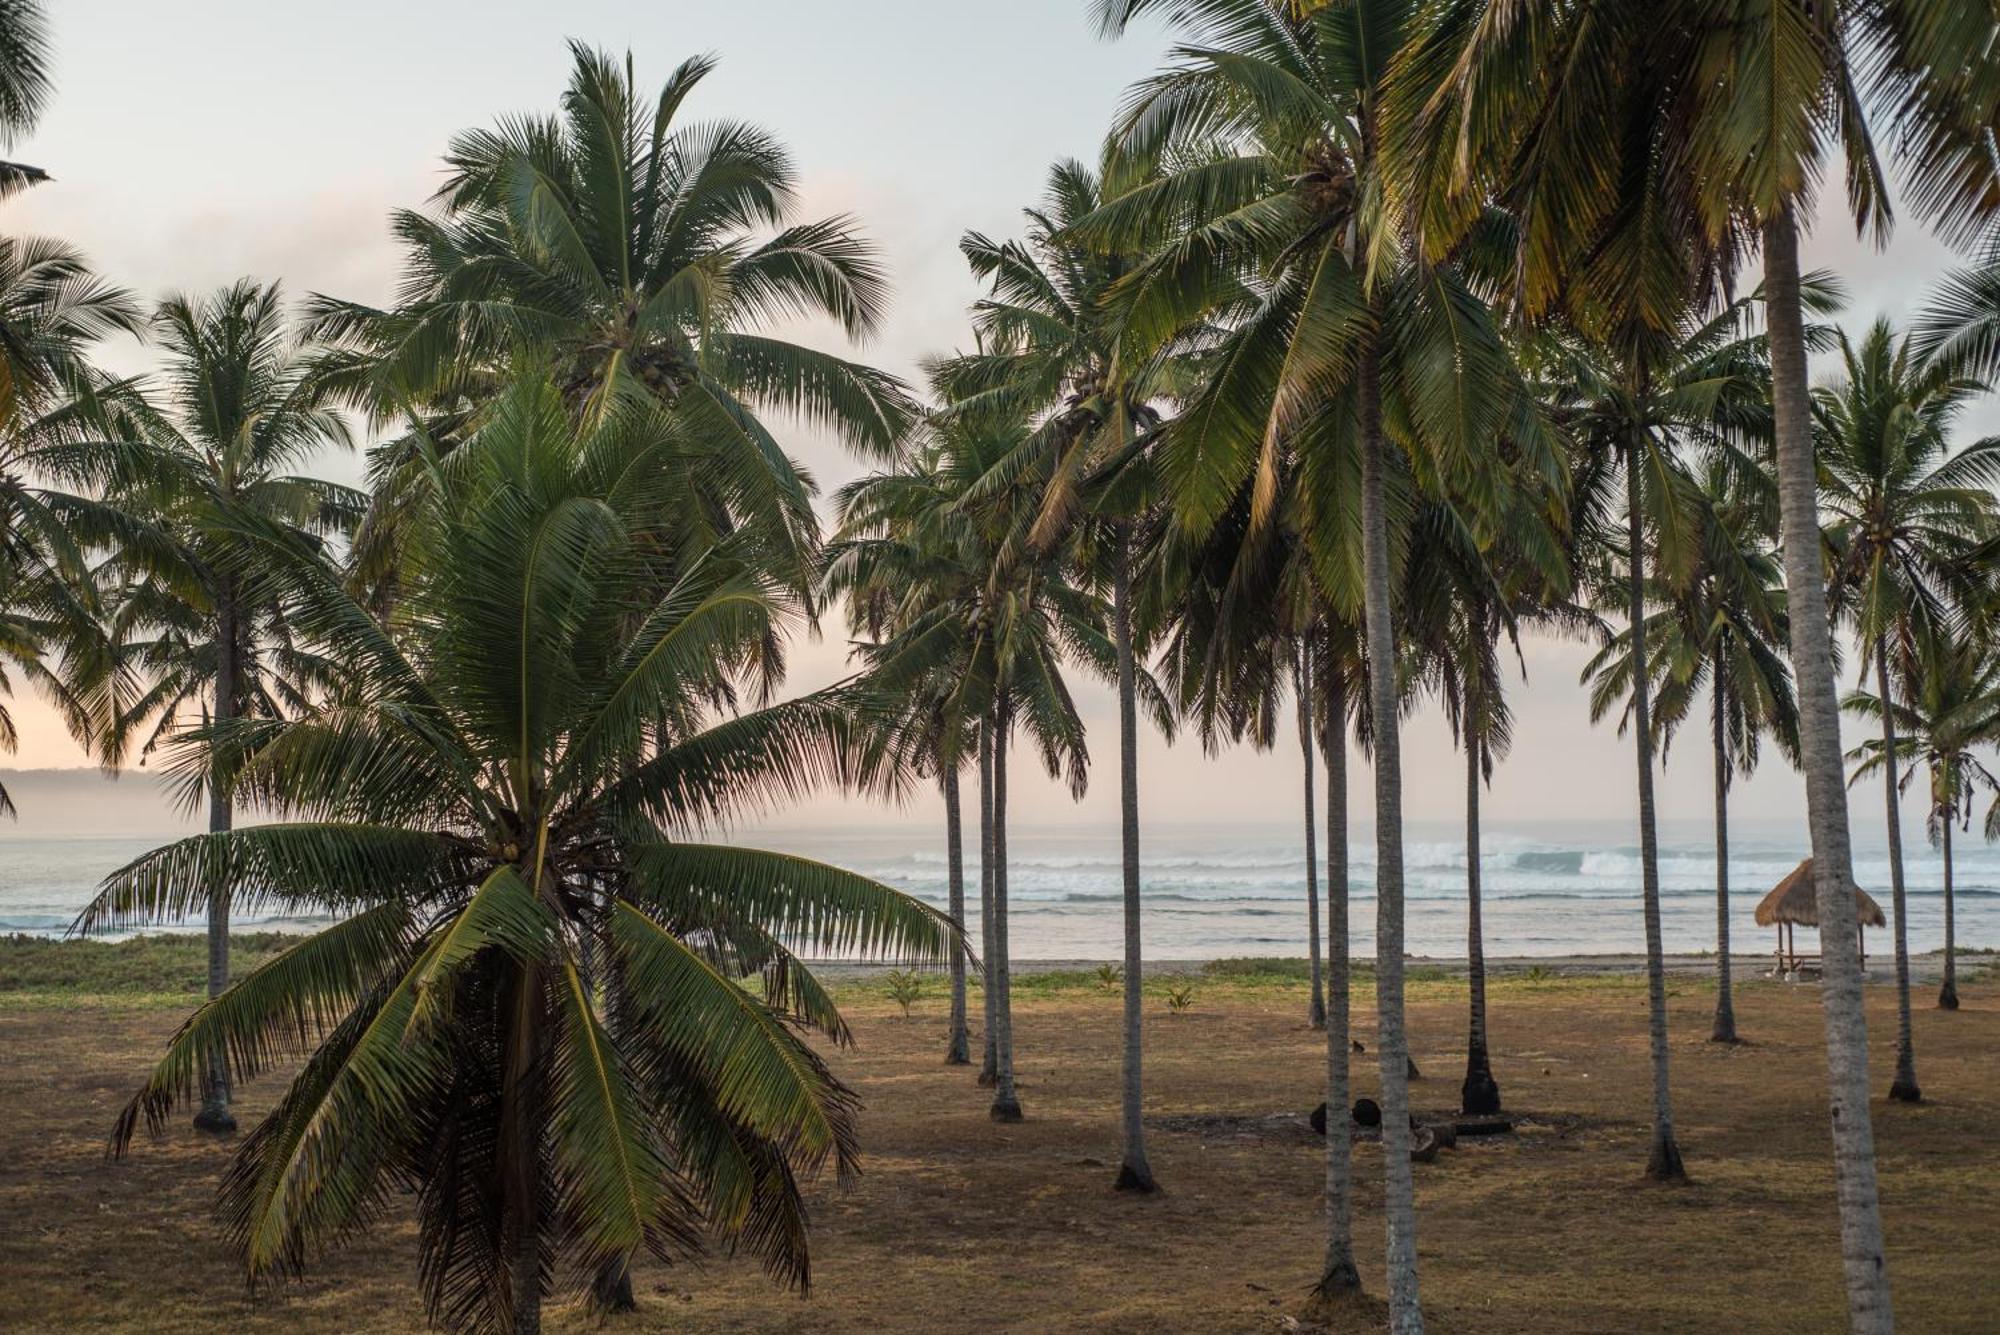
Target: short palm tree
x=240, y=408
x=1720, y=626
x=503, y=802
x=1908, y=511
x=1947, y=710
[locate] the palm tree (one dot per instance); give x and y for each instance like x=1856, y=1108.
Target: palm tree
x=883, y=550
x=1270, y=119
x=53, y=308
x=24, y=84
x=1722, y=626
x=1461, y=603
x=1049, y=346
x=1634, y=395
x=1303, y=692
x=1238, y=610
x=986, y=623
x=503, y=801
x=54, y=404
x=635, y=254
x=1949, y=708
x=1907, y=512
x=1722, y=117
x=1244, y=598
x=1342, y=677
x=242, y=408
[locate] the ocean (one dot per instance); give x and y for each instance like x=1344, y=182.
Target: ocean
x=1225, y=891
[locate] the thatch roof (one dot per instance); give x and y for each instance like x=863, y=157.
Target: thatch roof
x=1795, y=900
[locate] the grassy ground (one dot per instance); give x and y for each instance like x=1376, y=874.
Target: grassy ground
x=960, y=1224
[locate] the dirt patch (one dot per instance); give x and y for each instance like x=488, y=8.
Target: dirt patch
x=1246, y=1128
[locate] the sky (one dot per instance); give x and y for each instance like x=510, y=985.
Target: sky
x=201, y=141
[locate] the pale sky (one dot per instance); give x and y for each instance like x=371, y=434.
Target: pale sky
x=195, y=142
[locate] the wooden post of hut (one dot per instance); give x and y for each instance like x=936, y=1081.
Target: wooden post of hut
x=1794, y=902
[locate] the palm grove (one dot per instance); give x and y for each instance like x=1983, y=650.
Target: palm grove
x=1373, y=324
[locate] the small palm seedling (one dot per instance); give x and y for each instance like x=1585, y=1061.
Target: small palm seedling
x=1109, y=976
x=1180, y=997
x=905, y=989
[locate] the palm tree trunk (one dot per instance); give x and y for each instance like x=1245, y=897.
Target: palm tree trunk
x=989, y=1066
x=1869, y=1307
x=1316, y=1008
x=526, y=1279
x=214, y=1114
x=1480, y=1094
x=611, y=1288
x=1339, y=1275
x=1725, y=1002
x=1399, y=1206
x=611, y=1291
x=958, y=1049
x=520, y=1181
x=1006, y=1106
x=1134, y=1173
x=1904, y=1086
x=1948, y=991
x=1663, y=1160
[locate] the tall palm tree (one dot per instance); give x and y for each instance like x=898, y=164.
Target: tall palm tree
x=24, y=84
x=983, y=614
x=1342, y=676
x=636, y=254
x=1270, y=118
x=1625, y=401
x=1463, y=603
x=1303, y=692
x=1721, y=626
x=1645, y=376
x=1948, y=708
x=239, y=409
x=1723, y=116
x=886, y=549
x=1907, y=511
x=1050, y=346
x=504, y=801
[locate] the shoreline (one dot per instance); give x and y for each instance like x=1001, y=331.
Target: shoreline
x=1926, y=969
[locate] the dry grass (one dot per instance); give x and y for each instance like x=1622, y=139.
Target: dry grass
x=961, y=1224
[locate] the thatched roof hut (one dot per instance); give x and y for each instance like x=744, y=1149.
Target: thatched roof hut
x=1795, y=900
